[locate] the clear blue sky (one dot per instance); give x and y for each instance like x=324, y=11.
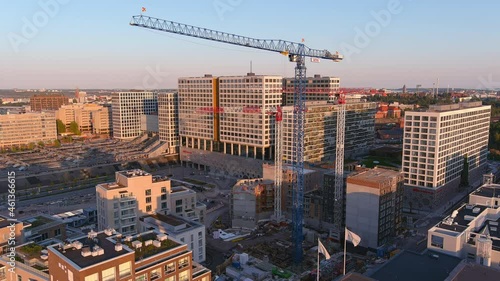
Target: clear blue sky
x=90, y=44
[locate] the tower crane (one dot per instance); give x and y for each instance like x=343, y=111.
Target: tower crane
x=296, y=52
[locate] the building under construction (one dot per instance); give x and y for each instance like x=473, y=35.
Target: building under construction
x=251, y=200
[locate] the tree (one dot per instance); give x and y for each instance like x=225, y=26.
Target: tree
x=31, y=145
x=61, y=128
x=41, y=144
x=73, y=127
x=57, y=143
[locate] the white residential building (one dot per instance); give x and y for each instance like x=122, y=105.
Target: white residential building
x=127, y=108
x=181, y=229
x=436, y=144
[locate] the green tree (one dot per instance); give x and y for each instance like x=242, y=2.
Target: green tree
x=61, y=128
x=73, y=127
x=57, y=143
x=41, y=144
x=31, y=145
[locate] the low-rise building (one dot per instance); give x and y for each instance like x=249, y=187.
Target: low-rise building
x=10, y=234
x=186, y=231
x=472, y=231
x=43, y=227
x=251, y=201
x=184, y=203
x=23, y=129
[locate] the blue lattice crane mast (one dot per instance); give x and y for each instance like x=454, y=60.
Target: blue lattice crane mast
x=297, y=52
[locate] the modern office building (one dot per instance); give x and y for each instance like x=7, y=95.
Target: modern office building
x=472, y=231
x=134, y=193
x=317, y=89
x=439, y=144
x=321, y=129
x=181, y=229
x=251, y=201
x=45, y=102
x=374, y=200
x=168, y=120
x=106, y=256
x=23, y=129
x=127, y=108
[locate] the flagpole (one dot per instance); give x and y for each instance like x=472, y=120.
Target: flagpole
x=317, y=272
x=345, y=243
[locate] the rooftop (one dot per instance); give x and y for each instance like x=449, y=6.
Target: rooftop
x=454, y=106
x=40, y=221
x=474, y=271
x=4, y=222
x=251, y=185
x=376, y=177
x=170, y=224
x=90, y=250
x=409, y=266
x=134, y=173
x=148, y=244
x=488, y=190
x=460, y=219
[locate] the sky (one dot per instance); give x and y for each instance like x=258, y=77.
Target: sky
x=386, y=43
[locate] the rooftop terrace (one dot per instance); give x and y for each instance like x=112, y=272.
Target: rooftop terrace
x=147, y=244
x=460, y=219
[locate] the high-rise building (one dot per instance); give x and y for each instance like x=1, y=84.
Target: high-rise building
x=168, y=120
x=374, y=200
x=127, y=108
x=317, y=89
x=136, y=193
x=47, y=102
x=23, y=129
x=443, y=146
x=229, y=114
x=320, y=131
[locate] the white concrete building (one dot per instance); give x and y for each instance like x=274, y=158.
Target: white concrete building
x=183, y=202
x=436, y=143
x=251, y=201
x=373, y=205
x=317, y=89
x=127, y=108
x=472, y=231
x=168, y=120
x=186, y=231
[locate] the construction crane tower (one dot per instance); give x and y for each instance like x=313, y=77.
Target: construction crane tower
x=296, y=52
x=338, y=204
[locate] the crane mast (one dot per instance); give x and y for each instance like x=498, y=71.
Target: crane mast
x=296, y=52
x=338, y=204
x=278, y=164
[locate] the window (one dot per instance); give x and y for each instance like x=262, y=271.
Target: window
x=124, y=269
x=139, y=278
x=171, y=278
x=183, y=262
x=183, y=276
x=437, y=241
x=164, y=197
x=178, y=202
x=93, y=277
x=169, y=268
x=148, y=199
x=155, y=274
x=148, y=208
x=148, y=192
x=163, y=190
x=108, y=274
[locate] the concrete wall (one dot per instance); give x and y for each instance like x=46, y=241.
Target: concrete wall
x=362, y=213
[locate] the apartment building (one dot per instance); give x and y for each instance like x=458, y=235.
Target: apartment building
x=168, y=120
x=472, y=231
x=317, y=89
x=320, y=131
x=251, y=201
x=82, y=114
x=438, y=144
x=106, y=256
x=127, y=108
x=374, y=200
x=22, y=129
x=10, y=231
x=102, y=121
x=45, y=102
x=181, y=229
x=134, y=193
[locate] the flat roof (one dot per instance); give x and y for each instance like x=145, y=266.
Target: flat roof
x=4, y=222
x=474, y=271
x=488, y=190
x=102, y=240
x=375, y=177
x=409, y=266
x=134, y=173
x=250, y=185
x=165, y=221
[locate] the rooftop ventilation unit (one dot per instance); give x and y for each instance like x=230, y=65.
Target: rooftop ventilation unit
x=118, y=247
x=476, y=210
